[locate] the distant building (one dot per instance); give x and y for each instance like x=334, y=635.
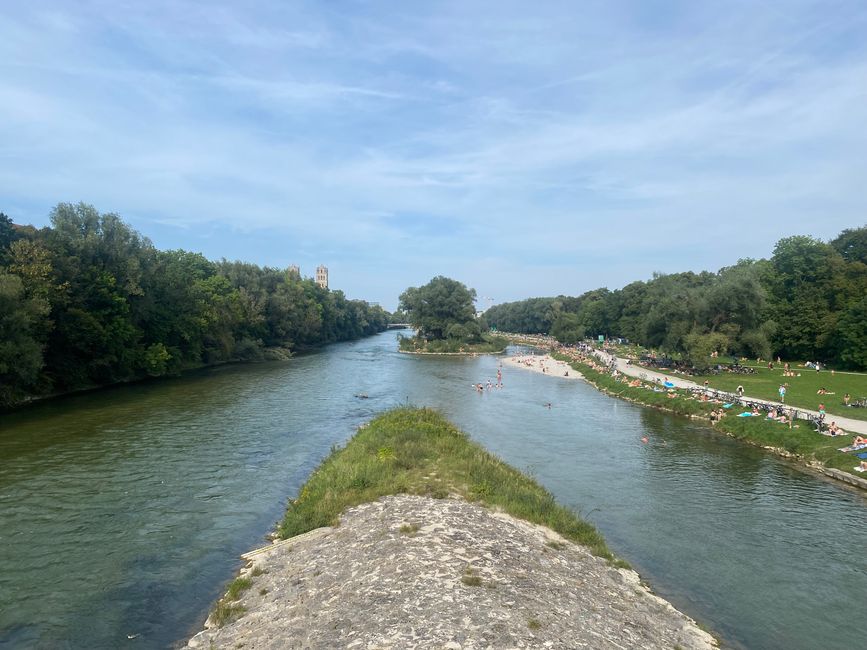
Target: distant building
x=322, y=276
x=295, y=270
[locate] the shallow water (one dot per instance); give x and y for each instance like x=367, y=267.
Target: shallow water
x=123, y=512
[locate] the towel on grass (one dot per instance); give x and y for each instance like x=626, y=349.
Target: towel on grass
x=854, y=447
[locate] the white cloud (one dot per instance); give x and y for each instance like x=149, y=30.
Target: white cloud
x=370, y=133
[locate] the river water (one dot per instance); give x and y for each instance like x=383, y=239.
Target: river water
x=123, y=511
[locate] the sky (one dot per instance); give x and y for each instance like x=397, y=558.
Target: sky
x=525, y=149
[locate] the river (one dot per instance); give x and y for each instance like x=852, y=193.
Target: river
x=123, y=511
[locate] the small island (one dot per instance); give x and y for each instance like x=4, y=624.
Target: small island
x=414, y=536
x=444, y=317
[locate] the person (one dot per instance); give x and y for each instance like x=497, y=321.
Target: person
x=834, y=430
x=821, y=409
x=863, y=466
x=859, y=441
x=783, y=393
x=821, y=391
x=791, y=417
x=740, y=390
x=846, y=399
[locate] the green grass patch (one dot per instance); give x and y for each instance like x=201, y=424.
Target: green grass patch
x=490, y=344
x=237, y=587
x=801, y=441
x=226, y=612
x=227, y=608
x=430, y=457
x=801, y=392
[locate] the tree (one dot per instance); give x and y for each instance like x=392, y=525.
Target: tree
x=567, y=329
x=436, y=306
x=852, y=335
x=7, y=234
x=852, y=244
x=20, y=348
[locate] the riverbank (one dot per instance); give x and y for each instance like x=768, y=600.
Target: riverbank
x=269, y=355
x=489, y=344
x=545, y=364
x=799, y=442
x=444, y=545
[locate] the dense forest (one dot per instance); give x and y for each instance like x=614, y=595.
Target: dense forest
x=89, y=302
x=808, y=302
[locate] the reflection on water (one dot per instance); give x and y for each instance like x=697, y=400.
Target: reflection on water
x=123, y=512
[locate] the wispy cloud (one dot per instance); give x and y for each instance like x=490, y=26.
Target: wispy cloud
x=479, y=140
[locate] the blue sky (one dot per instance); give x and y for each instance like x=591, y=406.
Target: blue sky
x=524, y=149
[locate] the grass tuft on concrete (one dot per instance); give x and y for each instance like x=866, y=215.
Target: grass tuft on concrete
x=429, y=457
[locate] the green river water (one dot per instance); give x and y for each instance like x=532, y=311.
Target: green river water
x=123, y=511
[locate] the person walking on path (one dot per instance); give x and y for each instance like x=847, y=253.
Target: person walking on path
x=783, y=393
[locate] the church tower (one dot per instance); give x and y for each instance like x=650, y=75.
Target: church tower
x=322, y=276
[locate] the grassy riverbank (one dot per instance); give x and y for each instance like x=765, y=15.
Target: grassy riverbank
x=490, y=344
x=802, y=387
x=801, y=442
x=417, y=451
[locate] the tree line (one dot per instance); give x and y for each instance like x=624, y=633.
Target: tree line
x=88, y=301
x=808, y=301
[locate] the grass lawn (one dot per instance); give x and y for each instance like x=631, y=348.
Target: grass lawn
x=765, y=384
x=417, y=451
x=801, y=391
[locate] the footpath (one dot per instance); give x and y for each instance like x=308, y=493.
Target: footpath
x=621, y=365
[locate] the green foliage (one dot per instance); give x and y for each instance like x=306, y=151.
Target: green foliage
x=852, y=244
x=700, y=346
x=567, y=329
x=803, y=303
x=487, y=344
x=433, y=458
x=7, y=235
x=20, y=344
x=441, y=306
x=90, y=302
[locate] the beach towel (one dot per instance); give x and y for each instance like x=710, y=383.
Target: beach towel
x=862, y=455
x=859, y=469
x=854, y=447
x=729, y=405
x=745, y=414
x=668, y=384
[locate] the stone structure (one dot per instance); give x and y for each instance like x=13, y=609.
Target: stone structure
x=416, y=572
x=295, y=269
x=322, y=276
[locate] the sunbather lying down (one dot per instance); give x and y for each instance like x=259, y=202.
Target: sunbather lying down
x=859, y=441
